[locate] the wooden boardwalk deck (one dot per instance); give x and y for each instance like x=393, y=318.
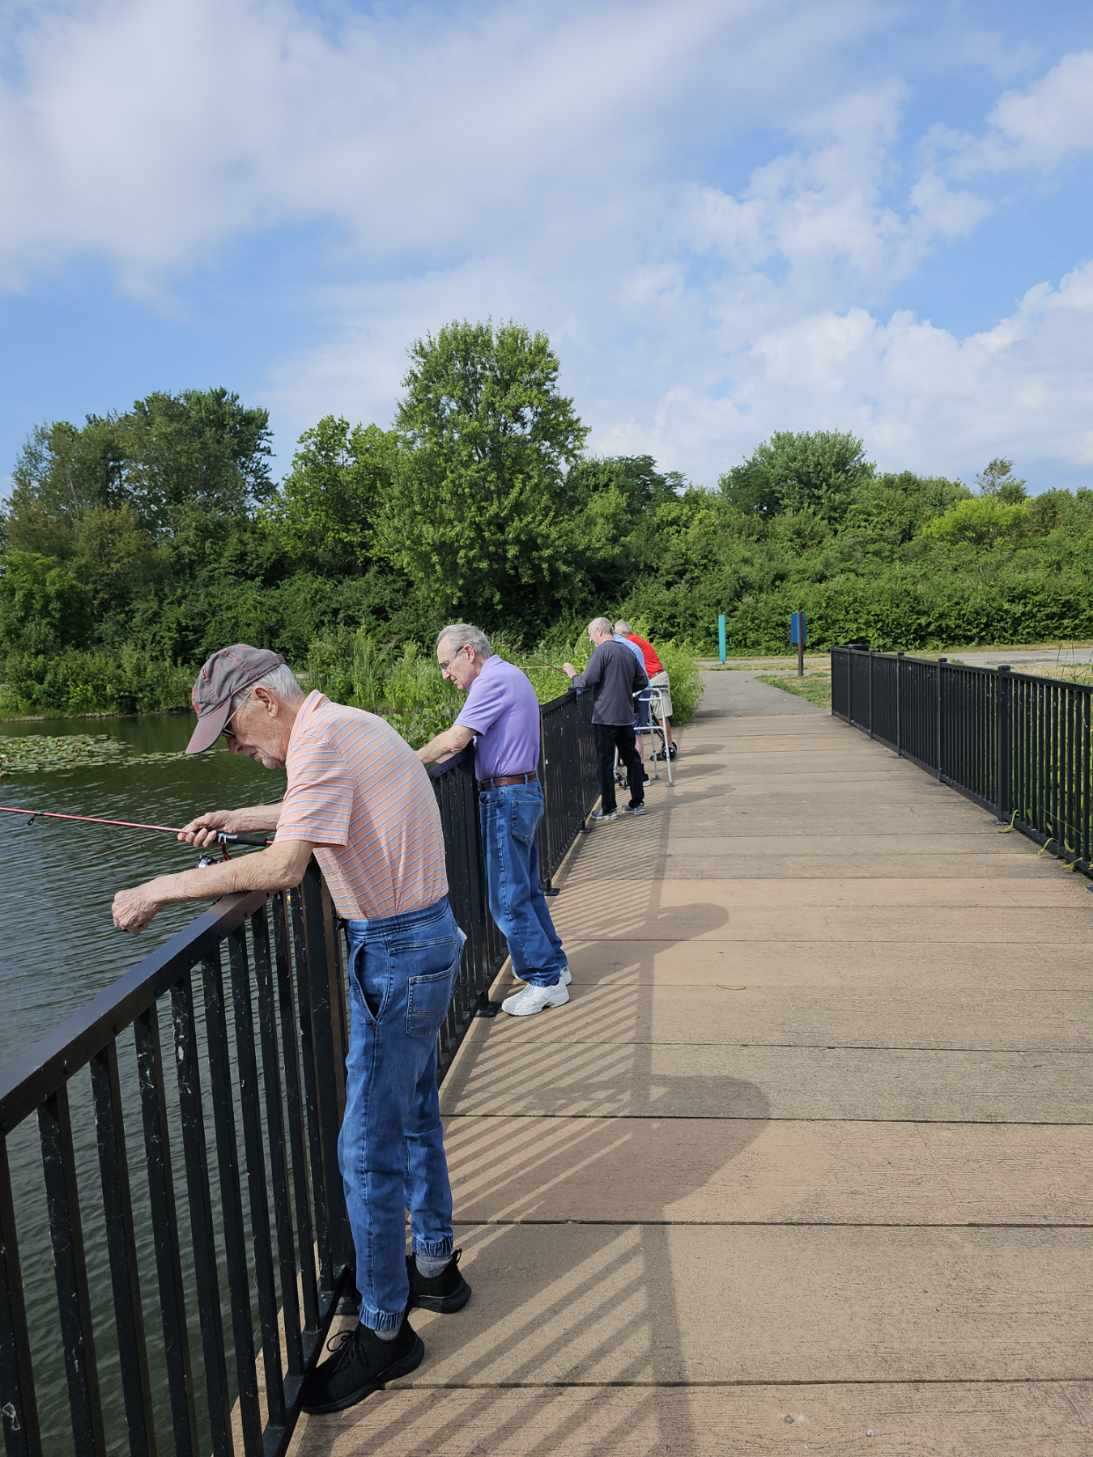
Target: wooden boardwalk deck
x=806, y=1165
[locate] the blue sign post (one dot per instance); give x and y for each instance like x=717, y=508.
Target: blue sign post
x=721, y=635
x=798, y=637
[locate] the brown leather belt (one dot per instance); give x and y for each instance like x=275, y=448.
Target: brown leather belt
x=531, y=777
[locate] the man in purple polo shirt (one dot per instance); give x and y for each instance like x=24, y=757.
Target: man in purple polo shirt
x=501, y=716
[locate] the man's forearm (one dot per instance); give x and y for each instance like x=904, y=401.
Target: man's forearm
x=256, y=817
x=265, y=870
x=445, y=744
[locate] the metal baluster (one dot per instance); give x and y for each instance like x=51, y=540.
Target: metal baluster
x=176, y=1345
x=261, y=1245
x=201, y=1217
x=236, y=1251
x=275, y=1127
x=297, y=1121
x=121, y=1242
x=18, y=1407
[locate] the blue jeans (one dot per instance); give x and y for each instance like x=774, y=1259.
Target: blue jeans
x=401, y=971
x=510, y=817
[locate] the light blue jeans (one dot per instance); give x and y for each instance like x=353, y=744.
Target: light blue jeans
x=510, y=816
x=401, y=972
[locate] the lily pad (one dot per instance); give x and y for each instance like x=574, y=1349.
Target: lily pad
x=40, y=753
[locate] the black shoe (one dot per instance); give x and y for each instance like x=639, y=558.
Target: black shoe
x=634, y=809
x=360, y=1364
x=445, y=1292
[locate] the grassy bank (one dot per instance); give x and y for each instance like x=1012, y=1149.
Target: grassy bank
x=399, y=681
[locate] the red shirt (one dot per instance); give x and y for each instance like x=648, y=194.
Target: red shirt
x=648, y=652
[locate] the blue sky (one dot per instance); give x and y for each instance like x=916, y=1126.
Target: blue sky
x=730, y=216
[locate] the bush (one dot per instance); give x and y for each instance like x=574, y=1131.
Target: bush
x=94, y=681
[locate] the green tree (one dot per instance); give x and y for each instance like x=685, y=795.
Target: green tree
x=997, y=479
x=983, y=521
x=62, y=473
x=330, y=502
x=480, y=509
x=818, y=472
x=618, y=499
x=43, y=606
x=200, y=454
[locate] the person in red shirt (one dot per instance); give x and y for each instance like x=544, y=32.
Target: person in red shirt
x=658, y=678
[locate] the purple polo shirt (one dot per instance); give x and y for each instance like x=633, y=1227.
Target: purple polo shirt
x=503, y=713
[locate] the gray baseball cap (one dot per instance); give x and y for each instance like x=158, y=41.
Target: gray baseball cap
x=225, y=674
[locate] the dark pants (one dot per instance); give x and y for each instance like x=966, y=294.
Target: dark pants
x=609, y=737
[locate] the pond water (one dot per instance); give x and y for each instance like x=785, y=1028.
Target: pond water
x=58, y=947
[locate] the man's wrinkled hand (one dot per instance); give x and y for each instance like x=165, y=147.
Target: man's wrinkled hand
x=203, y=830
x=569, y=670
x=135, y=908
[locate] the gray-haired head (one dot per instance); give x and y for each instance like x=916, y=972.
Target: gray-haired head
x=463, y=635
x=623, y=628
x=280, y=681
x=600, y=627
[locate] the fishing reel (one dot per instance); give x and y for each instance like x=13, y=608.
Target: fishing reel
x=223, y=840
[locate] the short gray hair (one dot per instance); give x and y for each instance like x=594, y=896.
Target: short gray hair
x=281, y=681
x=623, y=627
x=464, y=635
x=601, y=625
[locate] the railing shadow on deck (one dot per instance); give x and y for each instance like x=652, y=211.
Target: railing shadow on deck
x=191, y=1298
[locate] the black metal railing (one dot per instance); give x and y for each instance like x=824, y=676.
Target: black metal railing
x=1017, y=744
x=192, y=1300
x=569, y=771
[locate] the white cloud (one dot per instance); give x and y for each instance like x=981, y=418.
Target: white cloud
x=1041, y=127
x=586, y=177
x=149, y=131
x=921, y=398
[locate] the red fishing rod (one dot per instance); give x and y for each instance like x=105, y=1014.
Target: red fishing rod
x=223, y=837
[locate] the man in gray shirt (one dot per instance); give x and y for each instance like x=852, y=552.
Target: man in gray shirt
x=614, y=675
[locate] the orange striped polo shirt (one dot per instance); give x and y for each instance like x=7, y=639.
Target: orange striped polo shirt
x=362, y=797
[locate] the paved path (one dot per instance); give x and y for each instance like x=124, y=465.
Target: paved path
x=806, y=1165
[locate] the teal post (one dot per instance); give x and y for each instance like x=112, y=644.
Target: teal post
x=721, y=635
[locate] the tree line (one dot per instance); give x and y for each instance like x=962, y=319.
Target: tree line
x=133, y=545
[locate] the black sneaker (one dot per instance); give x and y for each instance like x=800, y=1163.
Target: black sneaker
x=634, y=809
x=445, y=1292
x=360, y=1363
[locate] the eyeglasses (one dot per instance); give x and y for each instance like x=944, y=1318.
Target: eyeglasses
x=226, y=732
x=445, y=663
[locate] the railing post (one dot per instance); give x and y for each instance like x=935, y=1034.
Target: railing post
x=940, y=694
x=899, y=706
x=869, y=681
x=546, y=849
x=1003, y=729
x=322, y=993
x=850, y=686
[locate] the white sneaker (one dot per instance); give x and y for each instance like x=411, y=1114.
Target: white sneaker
x=535, y=999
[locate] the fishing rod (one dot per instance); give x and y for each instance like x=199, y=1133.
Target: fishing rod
x=224, y=838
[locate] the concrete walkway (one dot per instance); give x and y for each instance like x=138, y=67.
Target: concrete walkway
x=806, y=1165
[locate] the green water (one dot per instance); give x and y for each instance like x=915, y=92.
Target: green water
x=58, y=947
x=58, y=944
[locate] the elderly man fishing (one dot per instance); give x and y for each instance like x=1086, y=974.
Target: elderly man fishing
x=614, y=674
x=501, y=717
x=361, y=802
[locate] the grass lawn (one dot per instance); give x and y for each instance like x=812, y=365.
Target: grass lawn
x=816, y=687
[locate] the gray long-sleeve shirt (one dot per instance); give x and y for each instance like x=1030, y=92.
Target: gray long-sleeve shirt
x=614, y=676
